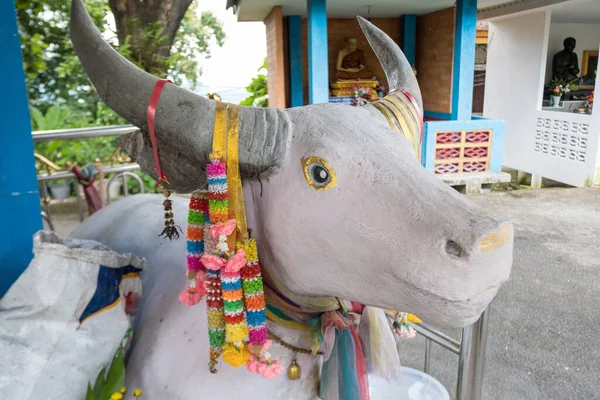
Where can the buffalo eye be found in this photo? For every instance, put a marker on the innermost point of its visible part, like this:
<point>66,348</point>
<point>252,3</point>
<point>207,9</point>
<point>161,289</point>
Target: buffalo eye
<point>318,174</point>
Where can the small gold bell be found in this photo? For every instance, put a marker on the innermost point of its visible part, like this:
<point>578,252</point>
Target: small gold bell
<point>294,372</point>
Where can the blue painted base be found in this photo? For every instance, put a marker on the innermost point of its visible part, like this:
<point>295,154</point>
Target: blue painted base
<point>19,198</point>
<point>21,221</point>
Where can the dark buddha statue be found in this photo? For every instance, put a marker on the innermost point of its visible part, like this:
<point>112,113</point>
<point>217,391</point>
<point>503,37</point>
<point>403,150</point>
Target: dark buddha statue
<point>351,63</point>
<point>565,65</point>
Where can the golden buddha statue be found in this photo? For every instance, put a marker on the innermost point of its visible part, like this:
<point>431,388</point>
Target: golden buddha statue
<point>351,63</point>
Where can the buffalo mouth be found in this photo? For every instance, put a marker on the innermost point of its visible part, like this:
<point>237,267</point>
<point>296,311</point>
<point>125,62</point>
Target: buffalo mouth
<point>444,312</point>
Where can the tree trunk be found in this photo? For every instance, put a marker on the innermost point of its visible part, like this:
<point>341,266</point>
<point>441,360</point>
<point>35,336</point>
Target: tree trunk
<point>137,20</point>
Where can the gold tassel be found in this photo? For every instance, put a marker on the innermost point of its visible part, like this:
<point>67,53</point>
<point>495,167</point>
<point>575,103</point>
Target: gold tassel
<point>171,231</point>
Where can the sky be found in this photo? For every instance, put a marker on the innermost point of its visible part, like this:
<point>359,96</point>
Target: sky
<point>231,68</point>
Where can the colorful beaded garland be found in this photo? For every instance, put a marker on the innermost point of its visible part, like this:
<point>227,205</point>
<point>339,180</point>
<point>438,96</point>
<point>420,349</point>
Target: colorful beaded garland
<point>232,281</point>
<point>196,273</point>
<point>254,295</point>
<point>235,350</point>
<point>217,210</point>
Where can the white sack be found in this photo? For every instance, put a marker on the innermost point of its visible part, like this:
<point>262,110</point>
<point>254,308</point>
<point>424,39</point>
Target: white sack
<point>62,321</point>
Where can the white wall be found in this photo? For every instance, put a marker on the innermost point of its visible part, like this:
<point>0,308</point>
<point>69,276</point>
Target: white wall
<point>514,61</point>
<point>535,139</point>
<point>587,36</point>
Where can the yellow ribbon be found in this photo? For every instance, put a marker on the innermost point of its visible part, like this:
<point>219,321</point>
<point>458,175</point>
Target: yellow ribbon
<point>226,149</point>
<point>401,118</point>
<point>286,323</point>
<point>219,147</point>
<point>234,179</point>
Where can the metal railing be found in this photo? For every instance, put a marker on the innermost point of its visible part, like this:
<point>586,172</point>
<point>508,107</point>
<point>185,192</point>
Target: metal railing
<point>470,351</point>
<point>121,171</point>
<point>82,133</point>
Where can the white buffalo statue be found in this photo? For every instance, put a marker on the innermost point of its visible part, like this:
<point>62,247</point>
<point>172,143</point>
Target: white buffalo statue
<point>389,235</point>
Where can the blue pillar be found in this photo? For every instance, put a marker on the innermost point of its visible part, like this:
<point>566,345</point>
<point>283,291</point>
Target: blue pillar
<point>19,197</point>
<point>409,37</point>
<point>295,46</point>
<point>464,59</point>
<point>318,64</point>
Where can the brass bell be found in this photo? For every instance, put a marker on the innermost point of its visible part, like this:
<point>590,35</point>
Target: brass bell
<point>294,372</point>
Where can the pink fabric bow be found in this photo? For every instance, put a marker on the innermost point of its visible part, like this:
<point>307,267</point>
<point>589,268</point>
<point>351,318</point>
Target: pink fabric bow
<point>335,320</point>
<point>191,296</point>
<point>252,365</point>
<point>234,264</point>
<point>270,371</point>
<point>225,229</point>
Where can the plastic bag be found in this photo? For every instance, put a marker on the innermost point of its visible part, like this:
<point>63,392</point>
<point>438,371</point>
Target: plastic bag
<point>63,320</point>
<point>379,344</point>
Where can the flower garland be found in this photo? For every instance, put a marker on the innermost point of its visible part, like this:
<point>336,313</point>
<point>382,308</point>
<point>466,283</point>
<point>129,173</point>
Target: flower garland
<point>196,273</point>
<point>222,261</point>
<point>254,295</point>
<point>218,211</point>
<point>235,351</point>
<point>260,361</point>
<point>232,282</point>
<point>402,327</point>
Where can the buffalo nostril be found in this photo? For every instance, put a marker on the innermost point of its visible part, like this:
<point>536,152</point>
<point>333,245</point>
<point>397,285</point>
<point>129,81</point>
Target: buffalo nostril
<point>453,249</point>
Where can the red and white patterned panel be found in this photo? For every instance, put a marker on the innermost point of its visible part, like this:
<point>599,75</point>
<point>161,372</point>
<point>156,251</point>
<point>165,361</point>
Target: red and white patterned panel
<point>447,137</point>
<point>450,168</point>
<point>475,166</point>
<point>476,152</point>
<point>447,153</point>
<point>480,152</point>
<point>478,137</point>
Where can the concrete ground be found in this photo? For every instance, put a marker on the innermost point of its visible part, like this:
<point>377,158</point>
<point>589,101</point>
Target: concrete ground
<point>543,338</point>
<point>64,224</point>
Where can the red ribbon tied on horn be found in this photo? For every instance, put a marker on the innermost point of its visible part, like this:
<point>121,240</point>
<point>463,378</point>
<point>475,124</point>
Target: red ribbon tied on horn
<point>151,114</point>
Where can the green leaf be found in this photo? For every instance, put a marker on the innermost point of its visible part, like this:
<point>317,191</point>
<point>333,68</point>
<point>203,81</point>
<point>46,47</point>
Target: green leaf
<point>258,90</point>
<point>38,121</point>
<point>90,393</point>
<point>53,117</point>
<point>116,376</point>
<point>100,383</point>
